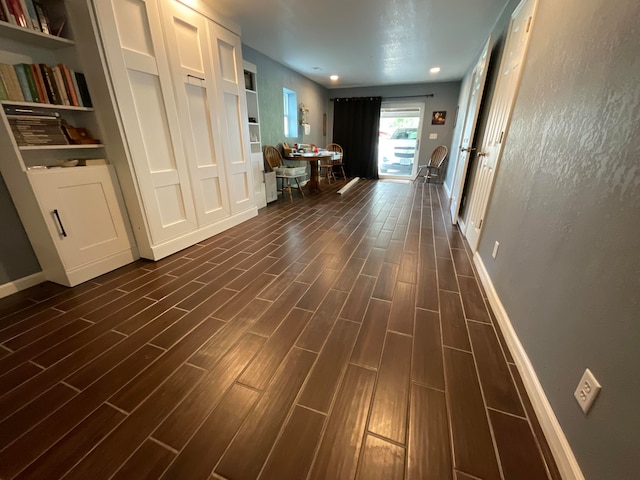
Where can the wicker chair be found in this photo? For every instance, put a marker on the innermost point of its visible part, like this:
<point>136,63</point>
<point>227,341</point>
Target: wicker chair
<point>274,159</point>
<point>432,169</point>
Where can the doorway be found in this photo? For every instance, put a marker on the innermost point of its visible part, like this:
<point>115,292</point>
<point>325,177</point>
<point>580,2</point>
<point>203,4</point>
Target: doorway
<point>399,139</point>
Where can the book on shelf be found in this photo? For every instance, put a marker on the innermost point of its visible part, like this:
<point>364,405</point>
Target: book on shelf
<point>33,16</point>
<point>43,18</point>
<point>16,10</point>
<point>10,79</point>
<point>24,83</point>
<point>37,130</point>
<point>3,91</point>
<point>83,90</point>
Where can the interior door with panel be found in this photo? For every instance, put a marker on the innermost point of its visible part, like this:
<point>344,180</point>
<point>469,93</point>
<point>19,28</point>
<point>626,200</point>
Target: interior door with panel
<point>190,60</point>
<point>472,108</point>
<point>227,61</point>
<point>132,37</point>
<point>499,117</point>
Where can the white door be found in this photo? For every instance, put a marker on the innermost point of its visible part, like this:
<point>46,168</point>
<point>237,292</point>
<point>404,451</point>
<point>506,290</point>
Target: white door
<point>132,37</point>
<point>471,109</point>
<point>226,50</point>
<point>193,78</point>
<point>499,117</point>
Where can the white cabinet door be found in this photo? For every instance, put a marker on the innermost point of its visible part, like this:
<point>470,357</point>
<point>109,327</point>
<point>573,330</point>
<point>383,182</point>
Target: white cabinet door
<point>232,114</point>
<point>133,41</point>
<point>82,213</point>
<point>193,77</point>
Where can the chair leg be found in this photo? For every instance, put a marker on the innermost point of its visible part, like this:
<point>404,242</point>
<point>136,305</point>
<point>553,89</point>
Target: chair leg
<point>344,175</point>
<point>289,190</point>
<point>299,188</point>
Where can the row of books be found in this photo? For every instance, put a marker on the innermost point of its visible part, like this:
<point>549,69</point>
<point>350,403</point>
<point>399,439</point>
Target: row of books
<point>31,130</point>
<point>40,83</point>
<point>29,14</point>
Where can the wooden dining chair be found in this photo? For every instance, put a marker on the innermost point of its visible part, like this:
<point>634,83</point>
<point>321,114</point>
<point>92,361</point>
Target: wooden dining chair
<point>274,159</point>
<point>336,162</point>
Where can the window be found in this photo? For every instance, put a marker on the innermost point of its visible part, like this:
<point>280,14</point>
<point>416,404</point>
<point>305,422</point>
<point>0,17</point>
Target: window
<point>290,102</point>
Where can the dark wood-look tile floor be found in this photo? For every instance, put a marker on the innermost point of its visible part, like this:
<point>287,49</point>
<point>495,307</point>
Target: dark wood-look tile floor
<point>335,337</point>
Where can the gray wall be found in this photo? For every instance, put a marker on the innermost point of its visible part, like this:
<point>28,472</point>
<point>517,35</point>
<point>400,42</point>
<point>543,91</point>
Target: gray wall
<point>272,77</point>
<point>17,259</point>
<point>445,98</point>
<point>566,211</point>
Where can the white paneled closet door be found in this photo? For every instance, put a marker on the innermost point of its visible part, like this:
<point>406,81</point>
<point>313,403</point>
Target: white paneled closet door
<point>132,36</point>
<point>227,61</point>
<point>190,59</point>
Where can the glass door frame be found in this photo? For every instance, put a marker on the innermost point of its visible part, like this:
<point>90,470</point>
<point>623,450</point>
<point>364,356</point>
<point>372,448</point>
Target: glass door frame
<point>409,105</point>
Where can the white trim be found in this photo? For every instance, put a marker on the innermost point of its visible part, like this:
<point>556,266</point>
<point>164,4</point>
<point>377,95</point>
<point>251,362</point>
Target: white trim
<point>21,284</point>
<point>567,463</point>
<point>446,190</point>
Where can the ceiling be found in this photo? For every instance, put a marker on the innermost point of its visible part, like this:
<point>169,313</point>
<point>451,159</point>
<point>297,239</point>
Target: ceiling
<point>367,42</point>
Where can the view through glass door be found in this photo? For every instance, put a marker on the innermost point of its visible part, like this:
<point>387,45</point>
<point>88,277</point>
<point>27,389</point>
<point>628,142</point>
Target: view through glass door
<point>399,139</point>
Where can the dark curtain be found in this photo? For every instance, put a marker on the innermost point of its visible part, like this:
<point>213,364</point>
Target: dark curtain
<point>356,123</point>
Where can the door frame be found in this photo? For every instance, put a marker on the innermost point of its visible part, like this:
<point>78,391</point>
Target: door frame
<point>422,106</point>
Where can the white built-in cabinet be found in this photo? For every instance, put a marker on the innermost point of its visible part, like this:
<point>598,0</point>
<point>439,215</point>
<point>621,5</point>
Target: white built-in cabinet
<point>178,84</point>
<point>253,112</point>
<point>75,218</point>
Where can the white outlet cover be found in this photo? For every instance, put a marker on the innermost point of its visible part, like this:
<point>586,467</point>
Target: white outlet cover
<point>433,136</point>
<point>587,390</point>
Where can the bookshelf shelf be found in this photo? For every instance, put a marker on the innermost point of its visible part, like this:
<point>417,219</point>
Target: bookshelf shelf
<point>46,105</point>
<point>32,37</point>
<point>60,147</point>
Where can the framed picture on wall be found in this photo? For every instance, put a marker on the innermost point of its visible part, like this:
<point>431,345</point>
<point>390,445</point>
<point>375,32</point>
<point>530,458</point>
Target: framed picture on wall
<point>438,118</point>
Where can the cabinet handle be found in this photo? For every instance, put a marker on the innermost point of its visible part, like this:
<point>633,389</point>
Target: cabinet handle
<point>55,212</point>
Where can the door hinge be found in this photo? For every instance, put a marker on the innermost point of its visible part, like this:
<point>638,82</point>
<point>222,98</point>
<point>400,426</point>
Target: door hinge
<point>528,24</point>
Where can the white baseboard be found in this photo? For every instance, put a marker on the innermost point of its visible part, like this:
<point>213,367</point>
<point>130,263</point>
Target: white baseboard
<point>21,284</point>
<point>447,192</point>
<point>566,461</point>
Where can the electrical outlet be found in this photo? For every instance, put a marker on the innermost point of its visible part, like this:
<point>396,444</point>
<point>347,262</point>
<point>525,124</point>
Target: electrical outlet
<point>587,390</point>
<point>494,254</point>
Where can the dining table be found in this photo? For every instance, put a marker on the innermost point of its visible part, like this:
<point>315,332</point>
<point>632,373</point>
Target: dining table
<point>313,158</point>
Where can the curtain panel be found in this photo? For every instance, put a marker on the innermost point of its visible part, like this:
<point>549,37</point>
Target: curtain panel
<point>356,123</point>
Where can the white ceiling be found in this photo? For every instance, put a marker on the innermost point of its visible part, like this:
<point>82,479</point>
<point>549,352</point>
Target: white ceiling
<point>366,42</point>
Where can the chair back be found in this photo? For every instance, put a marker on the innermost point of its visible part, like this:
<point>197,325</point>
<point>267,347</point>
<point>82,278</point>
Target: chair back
<point>334,147</point>
<point>438,156</point>
<point>272,156</point>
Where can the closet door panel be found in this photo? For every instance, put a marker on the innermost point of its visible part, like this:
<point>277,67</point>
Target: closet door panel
<point>192,69</point>
<point>227,61</point>
<point>133,41</point>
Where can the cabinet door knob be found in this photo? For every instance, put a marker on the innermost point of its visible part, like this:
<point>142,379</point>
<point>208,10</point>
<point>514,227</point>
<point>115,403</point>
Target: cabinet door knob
<point>55,212</point>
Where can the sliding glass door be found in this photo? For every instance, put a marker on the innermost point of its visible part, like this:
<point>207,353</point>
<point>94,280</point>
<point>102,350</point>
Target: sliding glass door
<point>399,139</point>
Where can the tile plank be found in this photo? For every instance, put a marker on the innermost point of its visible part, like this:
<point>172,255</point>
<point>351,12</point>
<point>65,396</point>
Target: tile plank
<point>454,327</point>
<point>249,450</point>
<point>301,434</point>
<point>389,409</point>
<point>498,387</point>
<point>325,376</point>
<point>358,299</point>
<point>403,306</point>
<point>147,463</point>
<point>386,282</point>
<point>429,448</point>
<point>427,366</point>
<point>318,328</point>
<point>520,459</point>
<point>279,309</point>
<point>368,347</point>
<point>339,449</point>
<point>472,443</point>
<point>474,307</point>
<point>446,275</point>
<point>381,460</point>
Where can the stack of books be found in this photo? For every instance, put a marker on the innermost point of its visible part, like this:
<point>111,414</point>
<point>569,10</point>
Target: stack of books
<point>40,83</point>
<point>29,14</point>
<point>36,128</point>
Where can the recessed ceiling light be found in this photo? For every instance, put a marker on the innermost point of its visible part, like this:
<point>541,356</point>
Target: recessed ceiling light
<point>435,70</point>
<point>334,77</point>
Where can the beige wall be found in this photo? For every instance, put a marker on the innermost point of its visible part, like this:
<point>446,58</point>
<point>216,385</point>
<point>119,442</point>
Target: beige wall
<point>566,211</point>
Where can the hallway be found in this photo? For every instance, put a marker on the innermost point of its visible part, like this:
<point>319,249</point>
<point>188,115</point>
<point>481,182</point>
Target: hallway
<point>335,337</point>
